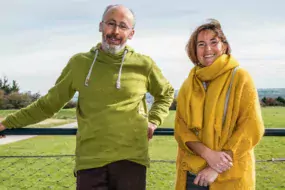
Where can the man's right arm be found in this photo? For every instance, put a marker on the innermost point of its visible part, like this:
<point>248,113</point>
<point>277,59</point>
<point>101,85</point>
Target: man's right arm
<point>46,106</point>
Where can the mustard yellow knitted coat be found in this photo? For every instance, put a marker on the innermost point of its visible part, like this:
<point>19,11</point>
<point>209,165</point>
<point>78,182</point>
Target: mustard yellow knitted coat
<point>199,117</point>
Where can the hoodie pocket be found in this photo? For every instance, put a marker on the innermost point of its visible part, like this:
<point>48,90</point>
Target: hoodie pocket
<point>142,110</point>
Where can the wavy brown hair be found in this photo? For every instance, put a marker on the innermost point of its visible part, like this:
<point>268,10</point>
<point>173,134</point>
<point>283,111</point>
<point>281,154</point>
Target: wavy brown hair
<point>213,25</point>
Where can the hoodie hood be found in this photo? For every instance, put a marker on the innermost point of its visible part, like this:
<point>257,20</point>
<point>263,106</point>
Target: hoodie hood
<point>101,55</point>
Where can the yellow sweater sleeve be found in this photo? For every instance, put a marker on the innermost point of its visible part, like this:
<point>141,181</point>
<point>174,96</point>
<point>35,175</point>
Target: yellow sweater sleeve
<point>249,126</point>
<point>181,132</point>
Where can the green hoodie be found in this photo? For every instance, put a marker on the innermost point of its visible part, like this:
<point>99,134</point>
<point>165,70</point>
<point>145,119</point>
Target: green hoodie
<point>112,122</point>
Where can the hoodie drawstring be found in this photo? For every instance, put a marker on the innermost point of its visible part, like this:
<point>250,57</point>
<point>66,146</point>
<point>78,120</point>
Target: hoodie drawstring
<point>118,82</point>
<point>90,70</point>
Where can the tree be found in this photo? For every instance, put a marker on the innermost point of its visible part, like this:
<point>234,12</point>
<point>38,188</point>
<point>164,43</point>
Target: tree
<point>281,100</point>
<point>264,100</point>
<point>271,102</point>
<point>11,98</point>
<point>15,87</point>
<point>2,93</point>
<point>6,87</point>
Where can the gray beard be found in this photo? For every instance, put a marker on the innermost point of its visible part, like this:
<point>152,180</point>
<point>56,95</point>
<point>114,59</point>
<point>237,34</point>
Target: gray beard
<point>114,49</point>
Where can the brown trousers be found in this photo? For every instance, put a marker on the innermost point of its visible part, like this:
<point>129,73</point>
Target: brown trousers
<point>120,175</point>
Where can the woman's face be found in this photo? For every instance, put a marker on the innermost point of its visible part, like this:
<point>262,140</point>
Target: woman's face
<point>209,47</point>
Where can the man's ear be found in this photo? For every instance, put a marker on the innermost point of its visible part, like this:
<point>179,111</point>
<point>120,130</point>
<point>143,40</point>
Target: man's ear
<point>100,27</point>
<point>131,34</point>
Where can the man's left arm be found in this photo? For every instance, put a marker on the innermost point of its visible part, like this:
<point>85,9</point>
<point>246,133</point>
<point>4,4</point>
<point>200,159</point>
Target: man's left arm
<point>163,94</point>
<point>45,106</point>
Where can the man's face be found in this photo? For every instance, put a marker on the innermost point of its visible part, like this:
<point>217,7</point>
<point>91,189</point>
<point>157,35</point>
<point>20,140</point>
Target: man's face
<point>116,28</point>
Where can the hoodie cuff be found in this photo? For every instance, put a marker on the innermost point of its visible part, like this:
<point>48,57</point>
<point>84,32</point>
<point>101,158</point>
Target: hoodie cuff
<point>153,120</point>
<point>7,124</point>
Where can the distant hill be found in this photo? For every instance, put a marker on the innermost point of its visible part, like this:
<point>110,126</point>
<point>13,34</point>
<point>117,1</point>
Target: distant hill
<point>271,92</point>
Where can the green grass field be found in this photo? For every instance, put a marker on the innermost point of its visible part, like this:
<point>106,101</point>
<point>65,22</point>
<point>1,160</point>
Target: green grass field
<point>56,173</point>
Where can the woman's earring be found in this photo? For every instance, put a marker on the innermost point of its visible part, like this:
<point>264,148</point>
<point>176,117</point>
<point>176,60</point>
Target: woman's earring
<point>199,64</point>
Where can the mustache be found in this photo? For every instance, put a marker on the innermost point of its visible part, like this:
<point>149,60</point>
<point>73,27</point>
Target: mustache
<point>113,36</point>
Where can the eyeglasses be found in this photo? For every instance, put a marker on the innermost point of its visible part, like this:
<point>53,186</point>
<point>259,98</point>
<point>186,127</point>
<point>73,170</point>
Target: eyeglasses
<point>213,43</point>
<point>114,25</point>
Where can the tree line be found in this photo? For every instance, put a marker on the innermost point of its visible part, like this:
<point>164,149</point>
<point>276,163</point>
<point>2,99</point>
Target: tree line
<point>12,98</point>
<point>268,101</point>
<point>264,102</point>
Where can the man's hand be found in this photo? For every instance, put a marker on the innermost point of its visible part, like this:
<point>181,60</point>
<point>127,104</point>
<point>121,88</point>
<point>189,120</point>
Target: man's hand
<point>2,128</point>
<point>206,177</point>
<point>151,129</point>
<point>218,160</point>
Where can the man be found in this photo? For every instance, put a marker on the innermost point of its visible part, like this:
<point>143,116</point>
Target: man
<point>113,124</point>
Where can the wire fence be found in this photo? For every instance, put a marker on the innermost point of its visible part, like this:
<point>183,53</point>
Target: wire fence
<point>37,172</point>
<point>56,172</point>
<point>30,170</point>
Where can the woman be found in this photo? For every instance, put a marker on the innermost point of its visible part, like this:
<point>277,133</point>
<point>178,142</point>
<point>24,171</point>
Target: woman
<point>218,119</point>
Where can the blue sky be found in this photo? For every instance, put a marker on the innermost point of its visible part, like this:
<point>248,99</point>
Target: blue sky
<point>38,37</point>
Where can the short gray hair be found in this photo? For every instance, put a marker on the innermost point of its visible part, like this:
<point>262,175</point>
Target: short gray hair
<point>116,5</point>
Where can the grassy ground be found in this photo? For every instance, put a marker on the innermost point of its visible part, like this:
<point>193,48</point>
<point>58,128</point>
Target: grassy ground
<point>56,173</point>
<point>274,117</point>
